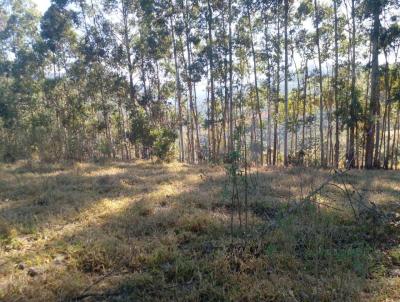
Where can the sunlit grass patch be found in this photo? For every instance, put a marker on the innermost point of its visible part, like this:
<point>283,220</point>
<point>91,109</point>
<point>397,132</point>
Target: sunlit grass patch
<point>144,231</point>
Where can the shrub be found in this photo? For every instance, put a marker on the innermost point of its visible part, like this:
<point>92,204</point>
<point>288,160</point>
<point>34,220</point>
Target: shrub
<point>159,140</point>
<point>164,143</point>
<point>5,230</point>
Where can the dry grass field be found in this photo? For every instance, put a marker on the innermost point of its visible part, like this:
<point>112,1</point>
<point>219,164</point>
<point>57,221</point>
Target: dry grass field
<point>162,232</point>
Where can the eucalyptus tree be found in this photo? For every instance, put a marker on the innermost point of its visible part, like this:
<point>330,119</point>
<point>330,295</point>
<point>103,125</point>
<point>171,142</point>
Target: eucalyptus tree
<point>267,57</point>
<point>125,11</point>
<point>286,24</point>
<point>193,72</point>
<point>249,11</point>
<point>373,10</point>
<point>174,10</point>
<point>230,50</point>
<point>103,71</point>
<point>304,47</point>
<point>354,104</point>
<point>62,46</point>
<point>152,49</point>
<point>277,10</point>
<point>210,53</point>
<point>22,113</point>
<point>317,20</point>
<point>336,4</point>
<point>389,42</point>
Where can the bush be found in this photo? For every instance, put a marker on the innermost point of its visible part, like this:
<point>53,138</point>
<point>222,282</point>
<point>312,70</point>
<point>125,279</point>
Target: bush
<point>164,143</point>
<point>159,140</point>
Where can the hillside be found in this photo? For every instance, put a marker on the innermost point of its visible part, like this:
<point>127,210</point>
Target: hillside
<point>162,232</point>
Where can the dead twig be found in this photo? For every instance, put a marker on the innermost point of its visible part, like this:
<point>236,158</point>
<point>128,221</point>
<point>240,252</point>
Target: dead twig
<point>84,294</point>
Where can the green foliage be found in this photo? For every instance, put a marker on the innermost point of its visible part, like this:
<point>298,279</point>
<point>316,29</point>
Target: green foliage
<point>76,82</point>
<point>105,148</point>
<point>164,142</point>
<point>159,139</point>
<point>305,8</point>
<point>140,129</point>
<point>55,26</point>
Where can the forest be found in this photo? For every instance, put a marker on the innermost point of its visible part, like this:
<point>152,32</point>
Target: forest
<point>200,150</point>
<point>303,81</point>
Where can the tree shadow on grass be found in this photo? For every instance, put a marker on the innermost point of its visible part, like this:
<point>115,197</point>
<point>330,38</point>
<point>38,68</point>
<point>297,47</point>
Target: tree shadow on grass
<point>176,245</point>
<point>35,200</point>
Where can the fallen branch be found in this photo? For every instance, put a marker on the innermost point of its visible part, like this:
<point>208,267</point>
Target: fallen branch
<point>318,190</point>
<point>96,295</point>
<point>84,294</point>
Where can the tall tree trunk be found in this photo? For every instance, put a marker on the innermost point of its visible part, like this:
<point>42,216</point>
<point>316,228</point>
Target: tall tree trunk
<point>335,83</point>
<point>226,91</point>
<point>388,111</point>
<point>212,92</point>
<point>296,107</point>
<point>396,129</point>
<point>231,143</point>
<point>269,124</point>
<point>190,87</point>
<point>377,153</point>
<point>321,104</point>
<point>269,93</point>
<point>128,51</point>
<point>209,151</point>
<point>285,142</point>
<point>276,113</point>
<point>304,105</point>
<point>178,96</point>
<point>260,121</point>
<point>366,106</point>
<point>196,122</point>
<point>353,104</point>
<point>374,102</point>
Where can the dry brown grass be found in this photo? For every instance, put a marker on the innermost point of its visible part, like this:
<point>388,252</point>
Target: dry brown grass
<point>148,232</point>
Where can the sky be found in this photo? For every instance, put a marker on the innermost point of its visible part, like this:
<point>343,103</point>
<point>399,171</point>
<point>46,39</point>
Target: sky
<point>42,4</point>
